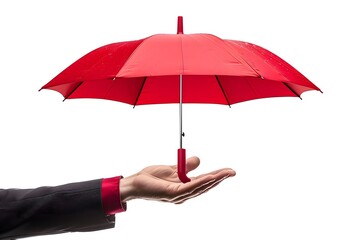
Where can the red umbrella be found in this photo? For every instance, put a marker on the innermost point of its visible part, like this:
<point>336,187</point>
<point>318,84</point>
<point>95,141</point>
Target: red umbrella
<point>180,68</point>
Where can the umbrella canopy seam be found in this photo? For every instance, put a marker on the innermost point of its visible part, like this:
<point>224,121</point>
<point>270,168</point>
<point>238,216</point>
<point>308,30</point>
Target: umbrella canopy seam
<point>73,90</point>
<point>132,54</point>
<point>223,91</point>
<point>140,91</point>
<point>232,55</point>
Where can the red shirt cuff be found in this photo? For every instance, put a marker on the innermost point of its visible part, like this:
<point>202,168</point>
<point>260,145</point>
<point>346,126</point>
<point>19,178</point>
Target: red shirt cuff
<point>110,195</point>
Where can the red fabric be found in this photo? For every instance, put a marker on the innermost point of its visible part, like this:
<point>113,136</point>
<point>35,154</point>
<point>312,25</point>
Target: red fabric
<point>110,194</point>
<point>147,71</point>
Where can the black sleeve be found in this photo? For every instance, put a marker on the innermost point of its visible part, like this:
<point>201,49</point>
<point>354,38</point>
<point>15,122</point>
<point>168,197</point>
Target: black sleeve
<point>74,207</point>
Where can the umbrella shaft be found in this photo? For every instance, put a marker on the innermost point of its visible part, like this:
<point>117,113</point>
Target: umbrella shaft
<point>180,111</point>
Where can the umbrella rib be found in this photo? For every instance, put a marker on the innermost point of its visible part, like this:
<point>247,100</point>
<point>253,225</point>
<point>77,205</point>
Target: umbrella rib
<point>223,91</point>
<point>141,88</point>
<point>72,91</point>
<point>292,90</point>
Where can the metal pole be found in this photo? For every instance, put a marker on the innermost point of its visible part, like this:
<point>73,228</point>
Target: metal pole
<point>180,111</point>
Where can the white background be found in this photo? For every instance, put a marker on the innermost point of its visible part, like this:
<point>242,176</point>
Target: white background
<point>297,161</point>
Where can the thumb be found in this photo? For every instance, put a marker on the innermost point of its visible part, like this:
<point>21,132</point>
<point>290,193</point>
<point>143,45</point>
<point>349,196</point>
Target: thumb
<point>192,163</point>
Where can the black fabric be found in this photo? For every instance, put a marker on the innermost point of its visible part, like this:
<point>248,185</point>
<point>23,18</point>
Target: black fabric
<point>74,207</point>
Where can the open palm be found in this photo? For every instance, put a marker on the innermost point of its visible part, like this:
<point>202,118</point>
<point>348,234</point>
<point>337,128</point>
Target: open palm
<point>161,183</point>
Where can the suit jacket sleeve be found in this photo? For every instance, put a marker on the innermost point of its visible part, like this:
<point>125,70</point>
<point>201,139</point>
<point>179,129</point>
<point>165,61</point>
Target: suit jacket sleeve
<point>73,207</point>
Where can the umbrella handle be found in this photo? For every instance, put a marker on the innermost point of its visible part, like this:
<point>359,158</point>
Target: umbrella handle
<point>182,165</point>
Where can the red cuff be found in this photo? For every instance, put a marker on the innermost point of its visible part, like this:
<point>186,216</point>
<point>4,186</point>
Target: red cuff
<point>110,195</point>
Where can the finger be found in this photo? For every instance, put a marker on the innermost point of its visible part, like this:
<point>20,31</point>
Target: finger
<point>196,192</point>
<point>199,191</point>
<point>192,163</point>
<point>229,171</point>
<point>218,176</point>
<point>199,182</point>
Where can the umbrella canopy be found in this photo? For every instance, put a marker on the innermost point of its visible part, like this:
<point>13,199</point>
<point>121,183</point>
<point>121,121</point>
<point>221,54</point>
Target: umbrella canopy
<point>180,68</point>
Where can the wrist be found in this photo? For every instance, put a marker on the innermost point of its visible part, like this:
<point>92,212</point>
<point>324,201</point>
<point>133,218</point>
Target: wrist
<point>126,189</point>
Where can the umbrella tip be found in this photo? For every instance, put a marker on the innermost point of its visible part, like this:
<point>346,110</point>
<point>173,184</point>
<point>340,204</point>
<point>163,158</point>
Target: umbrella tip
<point>180,28</point>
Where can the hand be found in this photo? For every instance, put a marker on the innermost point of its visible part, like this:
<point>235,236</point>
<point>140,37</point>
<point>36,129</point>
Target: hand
<point>161,183</point>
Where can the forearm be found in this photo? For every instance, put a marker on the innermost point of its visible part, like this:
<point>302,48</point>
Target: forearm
<point>52,210</point>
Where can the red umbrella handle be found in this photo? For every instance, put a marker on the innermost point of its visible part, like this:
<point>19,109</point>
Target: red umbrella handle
<point>182,165</point>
